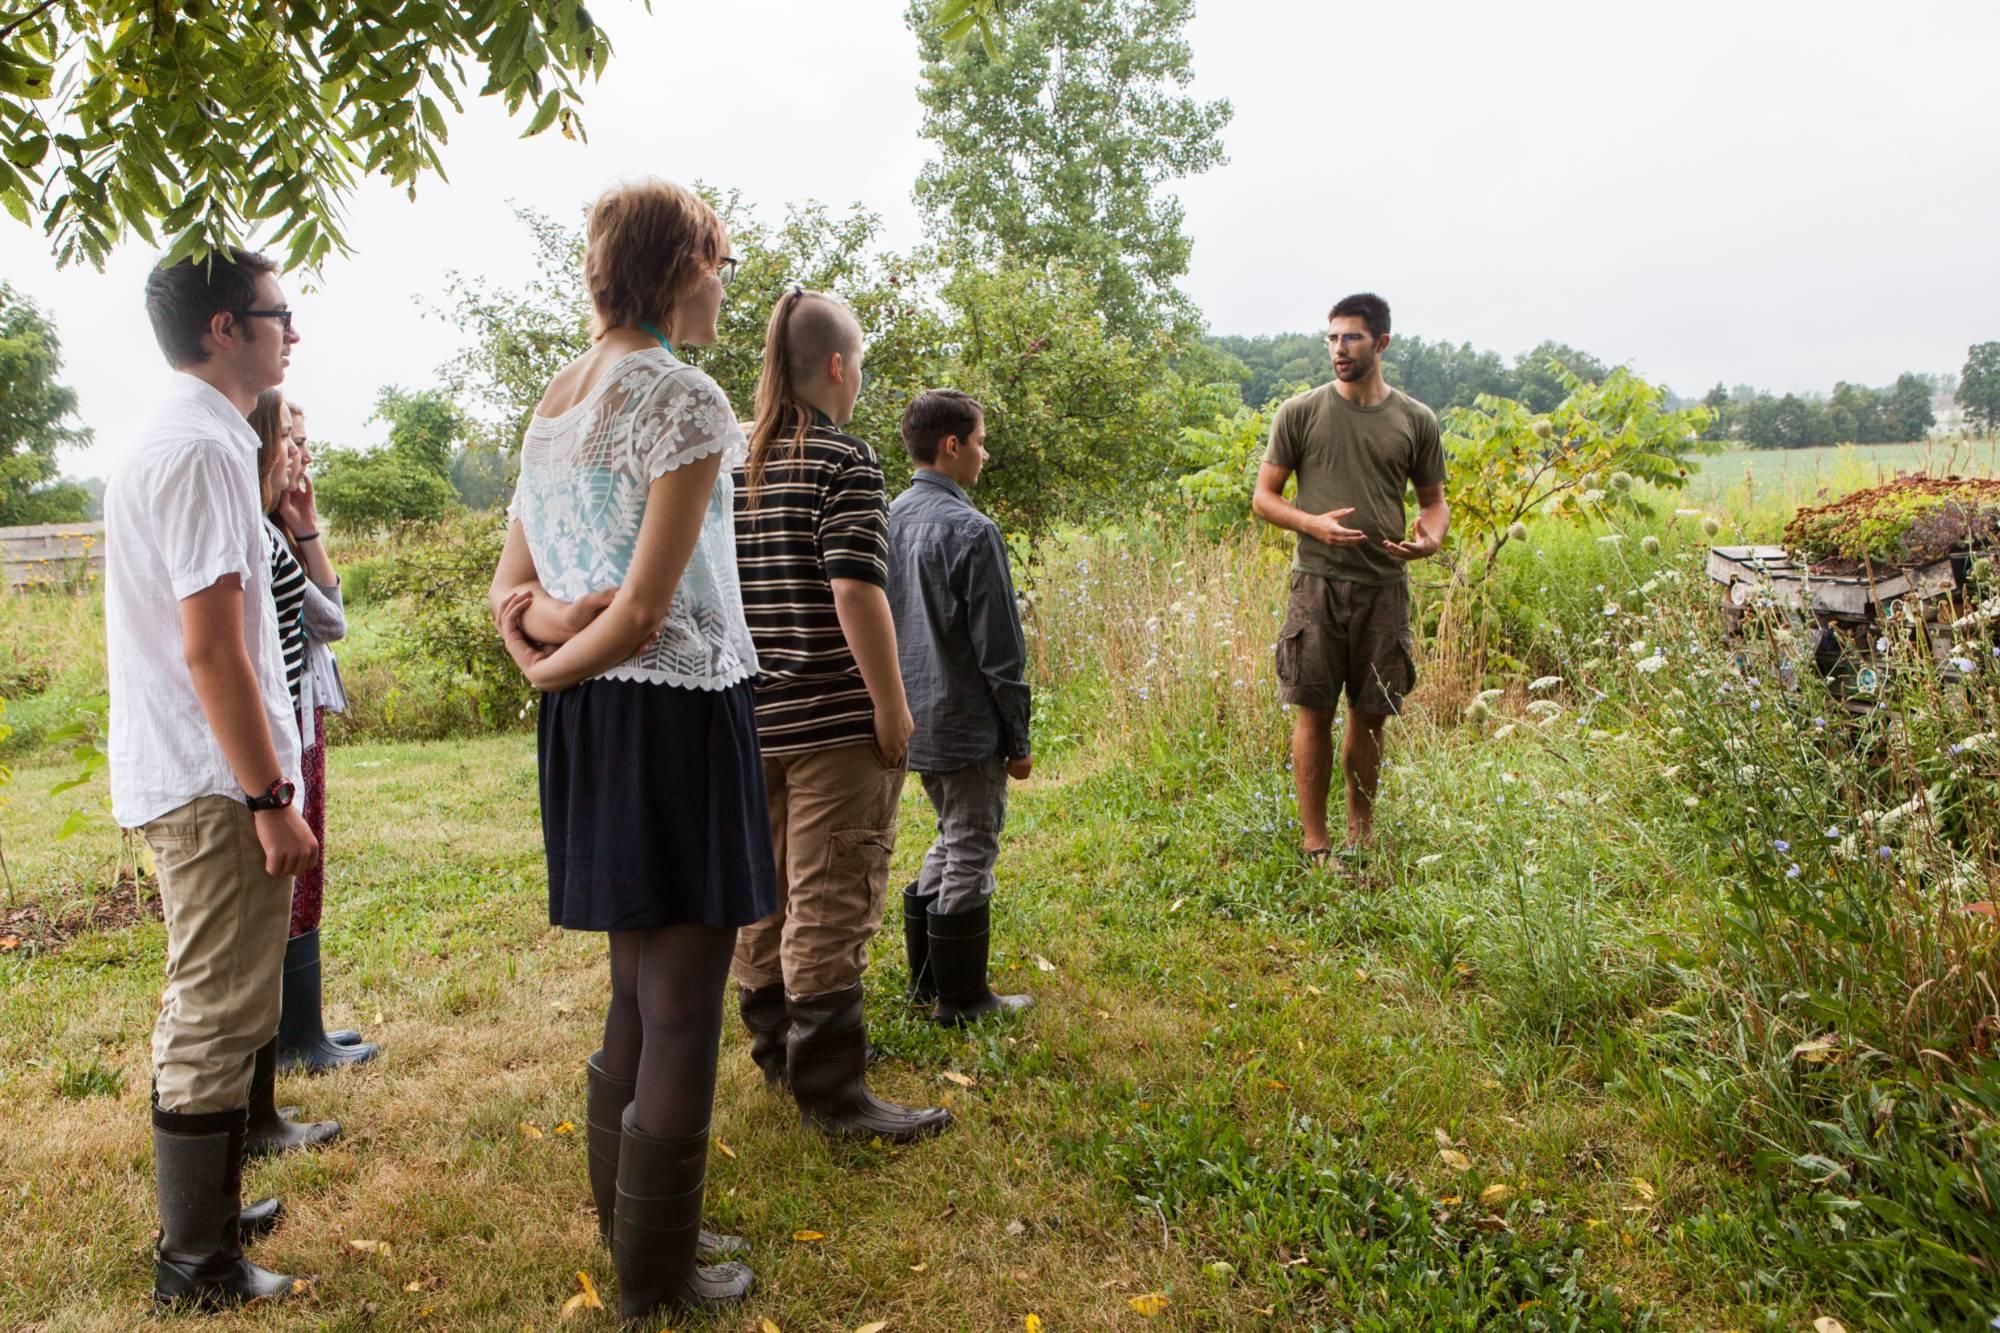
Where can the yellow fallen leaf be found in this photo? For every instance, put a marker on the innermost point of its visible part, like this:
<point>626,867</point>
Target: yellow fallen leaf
<point>1826,1325</point>
<point>1644,1189</point>
<point>1033,1323</point>
<point>1454,1159</point>
<point>1495,1195</point>
<point>766,1326</point>
<point>918,1268</point>
<point>1278,1085</point>
<point>1266,1310</point>
<point>1314,990</point>
<point>371,1246</point>
<point>808,1237</point>
<point>1152,1305</point>
<point>1450,1199</point>
<point>725,1150</point>
<point>1817,1051</point>
<point>1044,964</point>
<point>529,1131</point>
<point>567,1127</point>
<point>875,1327</point>
<point>590,1296</point>
<point>1444,1140</point>
<point>953,1076</point>
<point>9,943</point>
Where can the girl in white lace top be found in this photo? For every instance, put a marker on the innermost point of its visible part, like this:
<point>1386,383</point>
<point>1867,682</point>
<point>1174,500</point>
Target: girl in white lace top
<point>617,596</point>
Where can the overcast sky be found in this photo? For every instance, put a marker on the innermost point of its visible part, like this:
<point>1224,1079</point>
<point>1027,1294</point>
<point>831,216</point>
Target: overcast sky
<point>1757,191</point>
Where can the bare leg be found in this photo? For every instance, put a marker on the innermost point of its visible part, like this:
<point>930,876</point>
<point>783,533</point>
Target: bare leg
<point>1312,771</point>
<point>1361,759</point>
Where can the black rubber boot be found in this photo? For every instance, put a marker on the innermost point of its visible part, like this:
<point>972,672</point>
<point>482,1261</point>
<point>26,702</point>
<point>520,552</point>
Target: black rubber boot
<point>303,1043</point>
<point>917,944</point>
<point>958,961</point>
<point>603,1120</point>
<point>826,1059</point>
<point>271,1132</point>
<point>765,1015</point>
<point>198,1260</point>
<point>657,1230</point>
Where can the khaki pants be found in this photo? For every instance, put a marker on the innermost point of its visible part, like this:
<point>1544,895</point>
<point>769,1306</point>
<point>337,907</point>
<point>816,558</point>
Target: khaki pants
<point>226,922</point>
<point>833,825</point>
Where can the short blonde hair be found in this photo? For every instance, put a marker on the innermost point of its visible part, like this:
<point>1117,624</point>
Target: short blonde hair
<point>646,243</point>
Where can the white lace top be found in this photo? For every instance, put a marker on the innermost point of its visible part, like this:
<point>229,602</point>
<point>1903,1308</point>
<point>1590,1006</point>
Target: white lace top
<point>582,493</point>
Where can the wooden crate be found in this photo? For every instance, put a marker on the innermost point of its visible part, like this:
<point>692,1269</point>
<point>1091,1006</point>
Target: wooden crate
<point>52,554</point>
<point>1751,572</point>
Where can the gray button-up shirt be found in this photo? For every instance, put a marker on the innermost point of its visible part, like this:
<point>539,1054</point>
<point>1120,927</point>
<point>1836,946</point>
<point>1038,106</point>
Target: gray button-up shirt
<point>958,632</point>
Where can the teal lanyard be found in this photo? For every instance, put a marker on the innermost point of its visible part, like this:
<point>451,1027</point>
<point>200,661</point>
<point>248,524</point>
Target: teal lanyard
<point>648,328</point>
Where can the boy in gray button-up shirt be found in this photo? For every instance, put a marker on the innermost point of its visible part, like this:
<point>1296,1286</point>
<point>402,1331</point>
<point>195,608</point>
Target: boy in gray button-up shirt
<point>964,664</point>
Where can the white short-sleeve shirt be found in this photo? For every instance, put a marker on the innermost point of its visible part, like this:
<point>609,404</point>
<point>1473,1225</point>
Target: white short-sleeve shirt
<point>181,512</point>
<point>581,497</point>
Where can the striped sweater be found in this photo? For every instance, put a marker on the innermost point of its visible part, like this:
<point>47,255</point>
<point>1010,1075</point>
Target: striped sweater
<point>821,514</point>
<point>288,590</point>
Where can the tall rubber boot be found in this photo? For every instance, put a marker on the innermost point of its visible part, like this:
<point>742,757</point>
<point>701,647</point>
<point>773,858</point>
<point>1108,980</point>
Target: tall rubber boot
<point>270,1131</point>
<point>198,1260</point>
<point>917,945</point>
<point>765,1015</point>
<point>603,1120</point>
<point>303,1043</point>
<point>657,1228</point>
<point>826,1059</point>
<point>958,961</point>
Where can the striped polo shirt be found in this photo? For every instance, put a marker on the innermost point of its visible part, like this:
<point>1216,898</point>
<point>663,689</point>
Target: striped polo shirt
<point>821,514</point>
<point>288,590</point>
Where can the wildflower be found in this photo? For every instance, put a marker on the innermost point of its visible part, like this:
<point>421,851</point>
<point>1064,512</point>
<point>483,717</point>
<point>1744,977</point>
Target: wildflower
<point>1964,665</point>
<point>1819,724</point>
<point>1651,664</point>
<point>1675,733</point>
<point>1611,608</point>
<point>1488,696</point>
<point>1541,683</point>
<point>1545,708</point>
<point>1621,481</point>
<point>1747,773</point>
<point>1690,802</point>
<point>1476,711</point>
<point>1792,872</point>
<point>1832,831</point>
<point>1517,531</point>
<point>1756,704</point>
<point>1593,496</point>
<point>1781,845</point>
<point>1429,860</point>
<point>1502,733</point>
<point>1650,544</point>
<point>1885,852</point>
<point>1710,527</point>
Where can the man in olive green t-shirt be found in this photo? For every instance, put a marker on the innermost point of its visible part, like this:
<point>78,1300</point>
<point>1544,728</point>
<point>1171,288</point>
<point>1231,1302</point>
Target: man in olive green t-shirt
<point>1355,445</point>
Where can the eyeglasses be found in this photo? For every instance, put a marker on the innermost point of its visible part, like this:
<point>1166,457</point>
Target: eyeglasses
<point>725,271</point>
<point>283,316</point>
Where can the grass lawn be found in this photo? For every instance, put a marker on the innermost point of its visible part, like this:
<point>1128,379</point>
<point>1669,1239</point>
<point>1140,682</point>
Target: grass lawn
<point>1228,1064</point>
<point>1739,479</point>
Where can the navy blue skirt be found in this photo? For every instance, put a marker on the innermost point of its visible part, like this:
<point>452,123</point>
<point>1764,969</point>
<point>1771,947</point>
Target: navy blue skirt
<point>653,808</point>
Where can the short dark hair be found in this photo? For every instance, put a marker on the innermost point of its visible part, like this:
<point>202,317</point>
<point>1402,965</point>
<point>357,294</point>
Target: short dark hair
<point>1367,307</point>
<point>183,298</point>
<point>934,414</point>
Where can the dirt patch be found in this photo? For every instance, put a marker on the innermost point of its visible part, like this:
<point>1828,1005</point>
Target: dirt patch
<point>1912,520</point>
<point>51,923</point>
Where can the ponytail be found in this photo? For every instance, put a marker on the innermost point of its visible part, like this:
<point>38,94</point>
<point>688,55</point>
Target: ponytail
<point>806,328</point>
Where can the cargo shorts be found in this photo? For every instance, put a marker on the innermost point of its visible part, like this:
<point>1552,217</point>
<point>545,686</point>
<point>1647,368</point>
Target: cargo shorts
<point>1340,636</point>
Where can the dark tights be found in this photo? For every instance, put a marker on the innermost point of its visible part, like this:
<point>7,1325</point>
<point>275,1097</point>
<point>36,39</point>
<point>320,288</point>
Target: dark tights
<point>665,1022</point>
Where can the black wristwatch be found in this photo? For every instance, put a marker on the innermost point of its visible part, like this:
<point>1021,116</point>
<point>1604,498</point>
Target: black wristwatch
<point>277,798</point>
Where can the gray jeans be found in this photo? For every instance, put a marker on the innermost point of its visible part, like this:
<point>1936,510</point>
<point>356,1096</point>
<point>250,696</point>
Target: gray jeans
<point>971,805</point>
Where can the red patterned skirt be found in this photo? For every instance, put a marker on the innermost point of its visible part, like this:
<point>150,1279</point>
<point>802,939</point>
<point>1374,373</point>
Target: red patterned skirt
<point>309,887</point>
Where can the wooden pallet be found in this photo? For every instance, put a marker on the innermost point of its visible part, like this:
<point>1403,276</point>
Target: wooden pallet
<point>51,554</point>
<point>1751,572</point>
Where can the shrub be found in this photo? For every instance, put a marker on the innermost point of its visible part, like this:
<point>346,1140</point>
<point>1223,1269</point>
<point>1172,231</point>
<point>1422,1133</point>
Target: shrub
<point>367,492</point>
<point>443,635</point>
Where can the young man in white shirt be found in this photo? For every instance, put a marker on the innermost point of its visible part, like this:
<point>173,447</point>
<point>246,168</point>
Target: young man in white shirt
<point>204,751</point>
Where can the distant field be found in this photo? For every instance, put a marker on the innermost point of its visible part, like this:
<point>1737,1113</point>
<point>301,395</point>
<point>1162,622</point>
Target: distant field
<point>1741,478</point>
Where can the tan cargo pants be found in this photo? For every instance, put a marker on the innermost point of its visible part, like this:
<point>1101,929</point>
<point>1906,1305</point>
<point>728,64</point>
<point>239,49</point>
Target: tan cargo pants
<point>833,826</point>
<point>226,923</point>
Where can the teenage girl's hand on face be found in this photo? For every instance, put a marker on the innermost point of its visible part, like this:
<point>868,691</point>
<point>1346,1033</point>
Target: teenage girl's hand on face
<point>1328,528</point>
<point>298,508</point>
<point>892,735</point>
<point>1020,769</point>
<point>527,654</point>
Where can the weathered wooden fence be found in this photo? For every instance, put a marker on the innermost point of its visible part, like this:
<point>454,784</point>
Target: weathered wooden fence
<point>53,555</point>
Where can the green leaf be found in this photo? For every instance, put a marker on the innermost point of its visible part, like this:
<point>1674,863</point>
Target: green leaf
<point>545,116</point>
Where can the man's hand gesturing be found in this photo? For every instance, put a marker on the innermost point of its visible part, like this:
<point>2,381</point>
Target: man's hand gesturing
<point>1420,547</point>
<point>1328,528</point>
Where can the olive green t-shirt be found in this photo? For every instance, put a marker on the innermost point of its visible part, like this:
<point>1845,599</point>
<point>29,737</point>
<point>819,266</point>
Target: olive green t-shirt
<point>1361,456</point>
